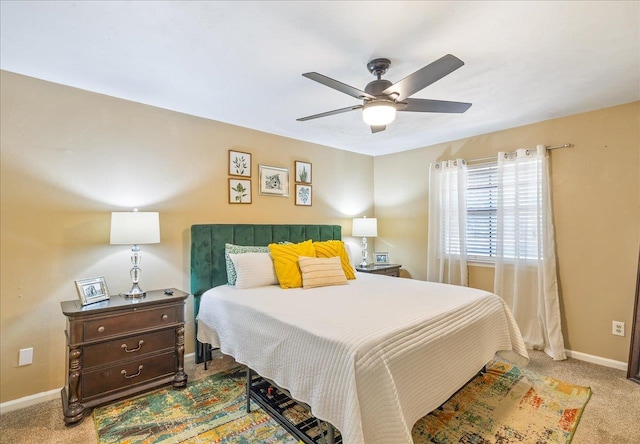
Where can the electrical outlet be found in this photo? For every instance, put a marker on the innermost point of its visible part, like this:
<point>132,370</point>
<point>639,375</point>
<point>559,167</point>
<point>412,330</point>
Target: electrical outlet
<point>26,356</point>
<point>618,328</point>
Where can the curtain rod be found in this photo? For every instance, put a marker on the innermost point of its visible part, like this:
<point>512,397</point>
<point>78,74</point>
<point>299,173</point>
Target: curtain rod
<point>566,145</point>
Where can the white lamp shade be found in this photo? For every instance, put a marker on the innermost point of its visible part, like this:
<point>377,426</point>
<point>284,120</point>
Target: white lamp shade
<point>378,113</point>
<point>365,227</point>
<point>134,228</point>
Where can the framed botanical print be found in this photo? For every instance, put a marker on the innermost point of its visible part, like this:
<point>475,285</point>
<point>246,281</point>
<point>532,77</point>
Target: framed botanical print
<point>274,181</point>
<point>303,172</point>
<point>239,163</point>
<point>303,195</point>
<point>239,191</point>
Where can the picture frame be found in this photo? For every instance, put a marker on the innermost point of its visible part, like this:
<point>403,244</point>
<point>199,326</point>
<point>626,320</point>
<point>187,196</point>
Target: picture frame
<point>239,163</point>
<point>92,290</point>
<point>274,181</point>
<point>240,191</point>
<point>381,258</point>
<point>303,171</point>
<point>303,195</point>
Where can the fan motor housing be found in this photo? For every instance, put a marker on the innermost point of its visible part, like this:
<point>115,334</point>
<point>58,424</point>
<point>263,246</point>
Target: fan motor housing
<point>376,87</point>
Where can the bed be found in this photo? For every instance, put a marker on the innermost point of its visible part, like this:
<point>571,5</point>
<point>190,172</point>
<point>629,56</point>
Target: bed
<point>370,357</point>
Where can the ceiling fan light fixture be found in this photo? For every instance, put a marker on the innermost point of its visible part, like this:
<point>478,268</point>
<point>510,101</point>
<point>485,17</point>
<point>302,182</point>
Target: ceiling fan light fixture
<point>381,98</point>
<point>378,113</point>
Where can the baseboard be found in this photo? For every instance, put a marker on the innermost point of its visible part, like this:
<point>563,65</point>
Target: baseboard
<point>597,360</point>
<point>190,359</point>
<point>30,400</point>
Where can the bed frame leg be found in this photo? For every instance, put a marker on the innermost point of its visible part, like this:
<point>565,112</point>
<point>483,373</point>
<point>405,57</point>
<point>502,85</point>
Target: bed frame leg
<point>331,437</point>
<point>248,390</point>
<point>204,350</point>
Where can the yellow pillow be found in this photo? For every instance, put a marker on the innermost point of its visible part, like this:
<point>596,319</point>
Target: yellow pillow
<point>285,261</point>
<point>321,271</point>
<point>333,248</point>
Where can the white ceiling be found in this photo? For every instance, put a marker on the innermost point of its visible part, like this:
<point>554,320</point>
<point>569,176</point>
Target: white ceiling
<point>241,62</point>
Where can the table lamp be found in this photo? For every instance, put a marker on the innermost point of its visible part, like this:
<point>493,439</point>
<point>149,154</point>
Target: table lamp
<point>363,227</point>
<point>135,228</point>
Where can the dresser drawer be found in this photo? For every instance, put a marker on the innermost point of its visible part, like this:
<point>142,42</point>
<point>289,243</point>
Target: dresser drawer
<point>128,348</point>
<point>123,375</point>
<point>131,321</point>
<point>389,272</point>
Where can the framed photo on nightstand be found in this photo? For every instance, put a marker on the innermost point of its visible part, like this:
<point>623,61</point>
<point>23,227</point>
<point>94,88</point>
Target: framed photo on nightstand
<point>92,290</point>
<point>381,257</point>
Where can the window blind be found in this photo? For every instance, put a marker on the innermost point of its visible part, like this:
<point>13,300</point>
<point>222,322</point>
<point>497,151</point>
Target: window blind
<point>521,194</point>
<point>482,194</point>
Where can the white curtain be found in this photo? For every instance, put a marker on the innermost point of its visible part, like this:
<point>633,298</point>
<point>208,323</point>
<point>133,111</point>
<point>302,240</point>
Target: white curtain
<point>447,238</point>
<point>525,271</point>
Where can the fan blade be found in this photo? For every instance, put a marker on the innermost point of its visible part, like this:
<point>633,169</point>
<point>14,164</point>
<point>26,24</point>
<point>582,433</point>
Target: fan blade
<point>434,106</point>
<point>378,128</point>
<point>330,113</point>
<point>424,77</point>
<point>342,87</point>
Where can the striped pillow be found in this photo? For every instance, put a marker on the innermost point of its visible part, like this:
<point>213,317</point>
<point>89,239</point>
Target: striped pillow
<point>321,271</point>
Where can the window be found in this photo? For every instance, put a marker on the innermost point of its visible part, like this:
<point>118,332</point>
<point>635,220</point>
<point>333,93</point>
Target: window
<point>482,220</point>
<point>521,196</point>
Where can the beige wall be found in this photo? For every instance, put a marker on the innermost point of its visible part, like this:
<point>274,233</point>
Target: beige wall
<point>596,203</point>
<point>70,157</point>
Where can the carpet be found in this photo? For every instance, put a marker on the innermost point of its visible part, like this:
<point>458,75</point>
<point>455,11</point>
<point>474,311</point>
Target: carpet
<point>504,405</point>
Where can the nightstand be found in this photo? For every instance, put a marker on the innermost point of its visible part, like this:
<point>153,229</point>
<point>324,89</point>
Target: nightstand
<point>386,269</point>
<point>120,347</point>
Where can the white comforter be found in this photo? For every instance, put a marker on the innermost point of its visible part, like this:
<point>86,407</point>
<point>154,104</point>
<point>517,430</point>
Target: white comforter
<point>370,357</point>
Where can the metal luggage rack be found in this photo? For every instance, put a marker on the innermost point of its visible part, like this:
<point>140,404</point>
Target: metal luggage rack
<point>294,416</point>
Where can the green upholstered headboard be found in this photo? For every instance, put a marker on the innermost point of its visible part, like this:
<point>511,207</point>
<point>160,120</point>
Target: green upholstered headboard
<point>208,267</point>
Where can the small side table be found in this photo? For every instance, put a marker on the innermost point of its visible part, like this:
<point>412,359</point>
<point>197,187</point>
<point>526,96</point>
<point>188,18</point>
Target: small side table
<point>121,347</point>
<point>385,269</point>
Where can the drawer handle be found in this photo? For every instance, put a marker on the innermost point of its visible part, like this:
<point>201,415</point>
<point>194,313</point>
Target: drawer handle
<point>100,329</point>
<point>165,317</point>
<point>124,372</point>
<point>124,346</point>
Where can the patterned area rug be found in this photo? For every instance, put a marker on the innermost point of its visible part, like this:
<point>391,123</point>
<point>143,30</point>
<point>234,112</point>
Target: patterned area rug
<point>209,410</point>
<point>505,405</point>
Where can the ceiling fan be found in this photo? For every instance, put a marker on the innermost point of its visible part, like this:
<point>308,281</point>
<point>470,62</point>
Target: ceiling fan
<point>381,98</point>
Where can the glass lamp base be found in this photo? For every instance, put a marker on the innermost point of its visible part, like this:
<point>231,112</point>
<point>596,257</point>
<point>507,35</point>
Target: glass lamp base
<point>364,263</point>
<point>134,295</point>
<point>135,292</point>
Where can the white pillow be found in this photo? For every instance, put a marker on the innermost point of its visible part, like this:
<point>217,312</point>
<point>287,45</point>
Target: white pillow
<point>237,249</point>
<point>253,270</point>
<point>355,252</point>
